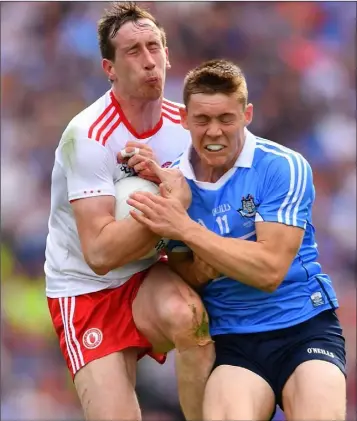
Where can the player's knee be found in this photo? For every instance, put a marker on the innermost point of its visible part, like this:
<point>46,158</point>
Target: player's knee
<point>186,322</point>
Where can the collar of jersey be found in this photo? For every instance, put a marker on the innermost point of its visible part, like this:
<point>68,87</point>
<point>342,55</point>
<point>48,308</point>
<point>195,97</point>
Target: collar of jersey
<point>127,124</point>
<point>245,160</point>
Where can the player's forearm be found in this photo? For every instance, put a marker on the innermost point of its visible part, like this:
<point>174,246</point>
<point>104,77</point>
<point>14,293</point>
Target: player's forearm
<point>119,243</point>
<point>246,261</point>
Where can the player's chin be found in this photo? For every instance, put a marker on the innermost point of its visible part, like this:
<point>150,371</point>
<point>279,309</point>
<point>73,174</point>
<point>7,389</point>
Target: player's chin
<point>215,159</point>
<point>152,92</point>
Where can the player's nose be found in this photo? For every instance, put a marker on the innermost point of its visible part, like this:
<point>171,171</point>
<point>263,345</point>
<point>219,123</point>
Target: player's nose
<point>214,130</point>
<point>149,62</point>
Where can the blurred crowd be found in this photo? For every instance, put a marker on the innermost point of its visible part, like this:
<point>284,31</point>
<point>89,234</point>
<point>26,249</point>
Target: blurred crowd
<point>299,60</point>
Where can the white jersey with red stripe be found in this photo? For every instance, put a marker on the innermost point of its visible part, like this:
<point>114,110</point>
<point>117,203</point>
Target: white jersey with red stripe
<point>86,166</point>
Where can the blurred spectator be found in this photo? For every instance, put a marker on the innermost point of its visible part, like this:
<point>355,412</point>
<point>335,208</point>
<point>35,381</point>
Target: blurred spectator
<point>299,59</point>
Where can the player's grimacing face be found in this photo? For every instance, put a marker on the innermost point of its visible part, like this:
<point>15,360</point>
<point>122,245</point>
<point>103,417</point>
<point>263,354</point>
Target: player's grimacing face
<point>216,123</point>
<point>141,60</point>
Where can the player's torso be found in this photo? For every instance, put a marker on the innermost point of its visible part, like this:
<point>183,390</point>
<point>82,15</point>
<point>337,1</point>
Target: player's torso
<point>230,211</point>
<point>66,270</point>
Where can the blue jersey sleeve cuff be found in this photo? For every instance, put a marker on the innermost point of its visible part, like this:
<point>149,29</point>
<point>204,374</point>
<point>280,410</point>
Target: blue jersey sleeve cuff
<point>266,217</point>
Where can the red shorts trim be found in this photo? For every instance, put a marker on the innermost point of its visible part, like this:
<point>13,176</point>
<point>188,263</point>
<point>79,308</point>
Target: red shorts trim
<point>91,326</point>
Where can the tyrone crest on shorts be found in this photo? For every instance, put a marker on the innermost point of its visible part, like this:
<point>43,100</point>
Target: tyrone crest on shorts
<point>92,338</point>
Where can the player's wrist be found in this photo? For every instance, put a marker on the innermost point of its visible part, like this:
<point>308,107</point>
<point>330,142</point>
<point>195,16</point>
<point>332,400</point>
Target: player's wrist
<point>190,231</point>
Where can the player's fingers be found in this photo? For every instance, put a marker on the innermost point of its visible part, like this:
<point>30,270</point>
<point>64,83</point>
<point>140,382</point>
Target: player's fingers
<point>148,199</point>
<point>126,153</point>
<point>146,209</point>
<point>139,158</point>
<point>152,200</point>
<point>134,144</point>
<point>139,217</point>
<point>134,160</point>
<point>162,173</point>
<point>165,190</point>
<point>147,175</point>
<point>143,196</point>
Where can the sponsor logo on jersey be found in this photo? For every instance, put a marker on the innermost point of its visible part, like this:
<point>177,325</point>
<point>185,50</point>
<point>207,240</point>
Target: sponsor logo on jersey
<point>249,208</point>
<point>92,338</point>
<point>320,351</point>
<point>221,209</point>
<point>161,244</point>
<point>127,170</point>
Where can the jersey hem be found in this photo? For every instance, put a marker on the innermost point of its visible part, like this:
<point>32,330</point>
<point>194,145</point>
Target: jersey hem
<point>258,329</point>
<point>79,291</point>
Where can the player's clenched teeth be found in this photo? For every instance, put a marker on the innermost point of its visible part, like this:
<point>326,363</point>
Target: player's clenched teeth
<point>214,147</point>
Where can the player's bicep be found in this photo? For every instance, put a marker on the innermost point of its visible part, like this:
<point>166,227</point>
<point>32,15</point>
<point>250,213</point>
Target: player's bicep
<point>281,241</point>
<point>92,215</point>
<point>287,192</point>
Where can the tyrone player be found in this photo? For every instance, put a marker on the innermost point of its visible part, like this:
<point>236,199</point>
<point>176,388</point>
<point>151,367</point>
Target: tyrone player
<point>109,308</point>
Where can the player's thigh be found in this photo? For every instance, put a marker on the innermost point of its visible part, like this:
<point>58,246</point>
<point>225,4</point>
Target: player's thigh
<point>313,383</point>
<point>236,393</point>
<point>106,387</point>
<point>166,307</point>
<point>316,390</point>
<point>100,343</point>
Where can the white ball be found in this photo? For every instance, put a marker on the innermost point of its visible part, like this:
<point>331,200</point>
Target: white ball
<point>123,189</point>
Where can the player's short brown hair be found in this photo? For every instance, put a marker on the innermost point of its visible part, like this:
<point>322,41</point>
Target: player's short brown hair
<point>114,18</point>
<point>216,76</point>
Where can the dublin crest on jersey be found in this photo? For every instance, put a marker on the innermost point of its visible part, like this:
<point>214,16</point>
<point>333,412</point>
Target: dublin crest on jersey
<point>249,208</point>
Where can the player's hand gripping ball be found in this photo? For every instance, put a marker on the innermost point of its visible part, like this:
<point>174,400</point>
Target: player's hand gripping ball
<point>123,189</point>
<point>135,155</point>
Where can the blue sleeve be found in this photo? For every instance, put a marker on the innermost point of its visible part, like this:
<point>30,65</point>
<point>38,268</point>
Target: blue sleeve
<point>287,192</point>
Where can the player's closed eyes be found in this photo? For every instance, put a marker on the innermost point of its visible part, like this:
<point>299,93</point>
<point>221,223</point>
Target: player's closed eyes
<point>133,51</point>
<point>201,120</point>
<point>227,118</point>
<point>153,46</point>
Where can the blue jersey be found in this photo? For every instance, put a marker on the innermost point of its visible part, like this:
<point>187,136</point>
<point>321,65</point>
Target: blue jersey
<point>272,183</point>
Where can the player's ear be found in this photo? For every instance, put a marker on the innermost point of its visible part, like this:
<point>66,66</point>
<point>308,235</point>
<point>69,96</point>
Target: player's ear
<point>183,115</point>
<point>168,65</point>
<point>248,114</point>
<point>108,68</point>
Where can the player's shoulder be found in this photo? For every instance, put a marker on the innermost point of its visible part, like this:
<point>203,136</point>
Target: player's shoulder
<point>273,155</point>
<point>170,112</point>
<point>95,120</point>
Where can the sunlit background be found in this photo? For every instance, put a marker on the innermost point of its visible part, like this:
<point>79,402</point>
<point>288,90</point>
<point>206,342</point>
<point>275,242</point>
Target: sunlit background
<point>299,60</point>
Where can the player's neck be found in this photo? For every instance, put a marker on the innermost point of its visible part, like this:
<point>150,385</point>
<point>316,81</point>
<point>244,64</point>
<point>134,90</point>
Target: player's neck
<point>142,115</point>
<point>208,174</point>
<point>204,172</point>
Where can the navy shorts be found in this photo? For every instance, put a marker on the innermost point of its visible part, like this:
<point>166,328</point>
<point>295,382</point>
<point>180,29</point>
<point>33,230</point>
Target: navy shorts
<point>274,355</point>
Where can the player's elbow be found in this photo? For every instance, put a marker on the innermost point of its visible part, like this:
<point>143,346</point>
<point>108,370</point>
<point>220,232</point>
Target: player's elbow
<point>98,263</point>
<point>270,285</point>
<point>100,270</point>
<point>272,281</point>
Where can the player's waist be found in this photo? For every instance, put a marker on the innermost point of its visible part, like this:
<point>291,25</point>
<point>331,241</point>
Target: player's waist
<point>229,324</point>
<point>59,288</point>
<point>69,282</point>
<point>229,298</point>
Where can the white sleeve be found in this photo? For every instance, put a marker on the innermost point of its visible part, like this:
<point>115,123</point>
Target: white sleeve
<point>89,168</point>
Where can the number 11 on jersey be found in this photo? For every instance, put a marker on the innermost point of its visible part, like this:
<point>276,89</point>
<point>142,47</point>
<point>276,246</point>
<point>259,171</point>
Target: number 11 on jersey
<point>222,222</point>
